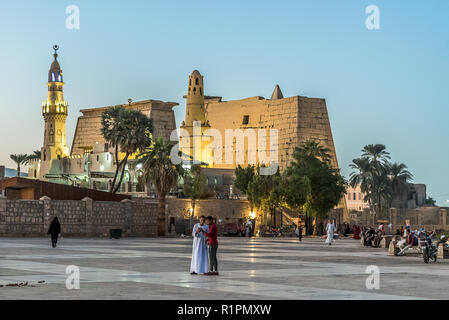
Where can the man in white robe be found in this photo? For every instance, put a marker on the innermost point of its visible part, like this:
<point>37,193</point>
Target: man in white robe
<point>330,228</point>
<point>200,261</point>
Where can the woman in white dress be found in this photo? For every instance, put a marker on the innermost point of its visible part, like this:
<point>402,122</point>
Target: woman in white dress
<point>330,228</point>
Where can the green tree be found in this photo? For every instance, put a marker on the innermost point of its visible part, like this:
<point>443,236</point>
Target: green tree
<point>372,173</point>
<point>310,183</point>
<point>36,155</point>
<point>159,170</point>
<point>399,179</point>
<point>19,159</point>
<point>194,186</point>
<point>127,130</point>
<point>243,177</point>
<point>430,201</point>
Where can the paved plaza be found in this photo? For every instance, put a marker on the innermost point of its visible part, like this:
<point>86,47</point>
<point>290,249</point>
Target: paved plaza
<point>258,268</point>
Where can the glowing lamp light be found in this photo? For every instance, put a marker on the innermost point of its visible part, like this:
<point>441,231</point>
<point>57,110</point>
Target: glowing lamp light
<point>252,215</point>
<point>191,210</point>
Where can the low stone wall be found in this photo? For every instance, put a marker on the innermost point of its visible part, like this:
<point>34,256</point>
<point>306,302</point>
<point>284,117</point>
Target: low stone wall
<point>429,217</point>
<point>85,218</point>
<point>227,210</point>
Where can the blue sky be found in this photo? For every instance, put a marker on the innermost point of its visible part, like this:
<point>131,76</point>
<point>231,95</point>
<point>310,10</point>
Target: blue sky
<point>382,86</point>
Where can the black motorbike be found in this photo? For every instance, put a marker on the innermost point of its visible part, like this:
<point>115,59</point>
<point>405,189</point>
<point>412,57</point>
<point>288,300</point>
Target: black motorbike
<point>429,250</point>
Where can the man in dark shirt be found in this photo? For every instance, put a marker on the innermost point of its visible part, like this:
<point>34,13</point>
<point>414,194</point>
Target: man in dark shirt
<point>212,242</point>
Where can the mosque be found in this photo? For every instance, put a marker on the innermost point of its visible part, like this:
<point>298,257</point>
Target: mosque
<point>241,132</point>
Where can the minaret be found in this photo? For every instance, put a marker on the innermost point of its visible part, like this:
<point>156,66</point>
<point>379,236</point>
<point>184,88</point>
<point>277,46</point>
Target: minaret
<point>54,111</point>
<point>195,122</point>
<point>195,99</point>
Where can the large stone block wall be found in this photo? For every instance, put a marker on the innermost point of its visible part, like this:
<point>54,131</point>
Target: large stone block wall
<point>88,127</point>
<point>20,218</point>
<point>297,119</point>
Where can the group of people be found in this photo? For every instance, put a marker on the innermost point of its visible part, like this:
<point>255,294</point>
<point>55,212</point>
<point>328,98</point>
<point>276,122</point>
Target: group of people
<point>205,245</point>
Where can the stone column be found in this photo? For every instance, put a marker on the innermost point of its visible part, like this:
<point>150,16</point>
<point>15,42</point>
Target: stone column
<point>394,217</point>
<point>443,216</point>
<point>89,228</point>
<point>419,218</point>
<point>46,214</point>
<point>128,212</point>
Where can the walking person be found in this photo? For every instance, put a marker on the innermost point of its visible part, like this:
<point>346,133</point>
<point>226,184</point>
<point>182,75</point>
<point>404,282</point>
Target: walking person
<point>199,262</point>
<point>54,230</point>
<point>330,228</point>
<point>212,242</point>
<point>300,232</point>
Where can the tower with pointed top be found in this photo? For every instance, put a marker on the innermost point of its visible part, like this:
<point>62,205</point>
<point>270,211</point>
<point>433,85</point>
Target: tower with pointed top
<point>195,123</point>
<point>54,111</point>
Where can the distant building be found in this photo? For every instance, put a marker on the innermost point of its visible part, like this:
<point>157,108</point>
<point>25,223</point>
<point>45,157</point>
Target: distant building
<point>355,199</point>
<point>414,196</point>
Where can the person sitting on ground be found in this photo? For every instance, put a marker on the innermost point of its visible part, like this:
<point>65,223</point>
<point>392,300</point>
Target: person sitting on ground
<point>382,228</point>
<point>369,236</point>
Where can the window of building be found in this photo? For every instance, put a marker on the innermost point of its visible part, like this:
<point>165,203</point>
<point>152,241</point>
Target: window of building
<point>355,196</point>
<point>245,119</point>
<point>98,158</point>
<point>201,92</point>
<point>197,82</point>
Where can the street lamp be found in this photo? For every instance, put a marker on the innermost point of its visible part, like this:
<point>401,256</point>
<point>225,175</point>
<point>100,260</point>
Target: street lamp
<point>252,215</point>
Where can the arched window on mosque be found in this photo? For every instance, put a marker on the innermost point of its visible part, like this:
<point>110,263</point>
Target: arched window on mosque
<point>194,90</point>
<point>53,76</point>
<point>197,82</point>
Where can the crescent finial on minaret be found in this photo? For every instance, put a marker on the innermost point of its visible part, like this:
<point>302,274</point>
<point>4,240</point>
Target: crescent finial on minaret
<point>56,48</point>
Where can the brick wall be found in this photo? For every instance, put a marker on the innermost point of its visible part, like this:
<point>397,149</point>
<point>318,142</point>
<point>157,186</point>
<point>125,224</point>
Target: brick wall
<point>21,218</point>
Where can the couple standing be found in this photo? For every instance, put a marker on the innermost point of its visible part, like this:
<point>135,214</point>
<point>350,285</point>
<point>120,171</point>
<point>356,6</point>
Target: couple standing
<point>204,253</point>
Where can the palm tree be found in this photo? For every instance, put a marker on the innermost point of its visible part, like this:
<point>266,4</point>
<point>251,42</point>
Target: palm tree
<point>311,148</point>
<point>361,176</point>
<point>19,159</point>
<point>127,130</point>
<point>399,178</point>
<point>159,170</point>
<point>377,155</point>
<point>36,155</point>
<point>371,172</point>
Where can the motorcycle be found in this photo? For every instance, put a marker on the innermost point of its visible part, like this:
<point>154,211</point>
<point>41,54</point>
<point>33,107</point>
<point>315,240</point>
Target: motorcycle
<point>429,250</point>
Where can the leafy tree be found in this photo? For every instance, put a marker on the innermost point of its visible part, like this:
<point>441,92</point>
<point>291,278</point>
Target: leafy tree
<point>19,159</point>
<point>127,130</point>
<point>159,170</point>
<point>310,183</point>
<point>194,186</point>
<point>430,201</point>
<point>243,177</point>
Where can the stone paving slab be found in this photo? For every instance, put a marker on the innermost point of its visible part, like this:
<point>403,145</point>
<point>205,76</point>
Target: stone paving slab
<point>257,268</point>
